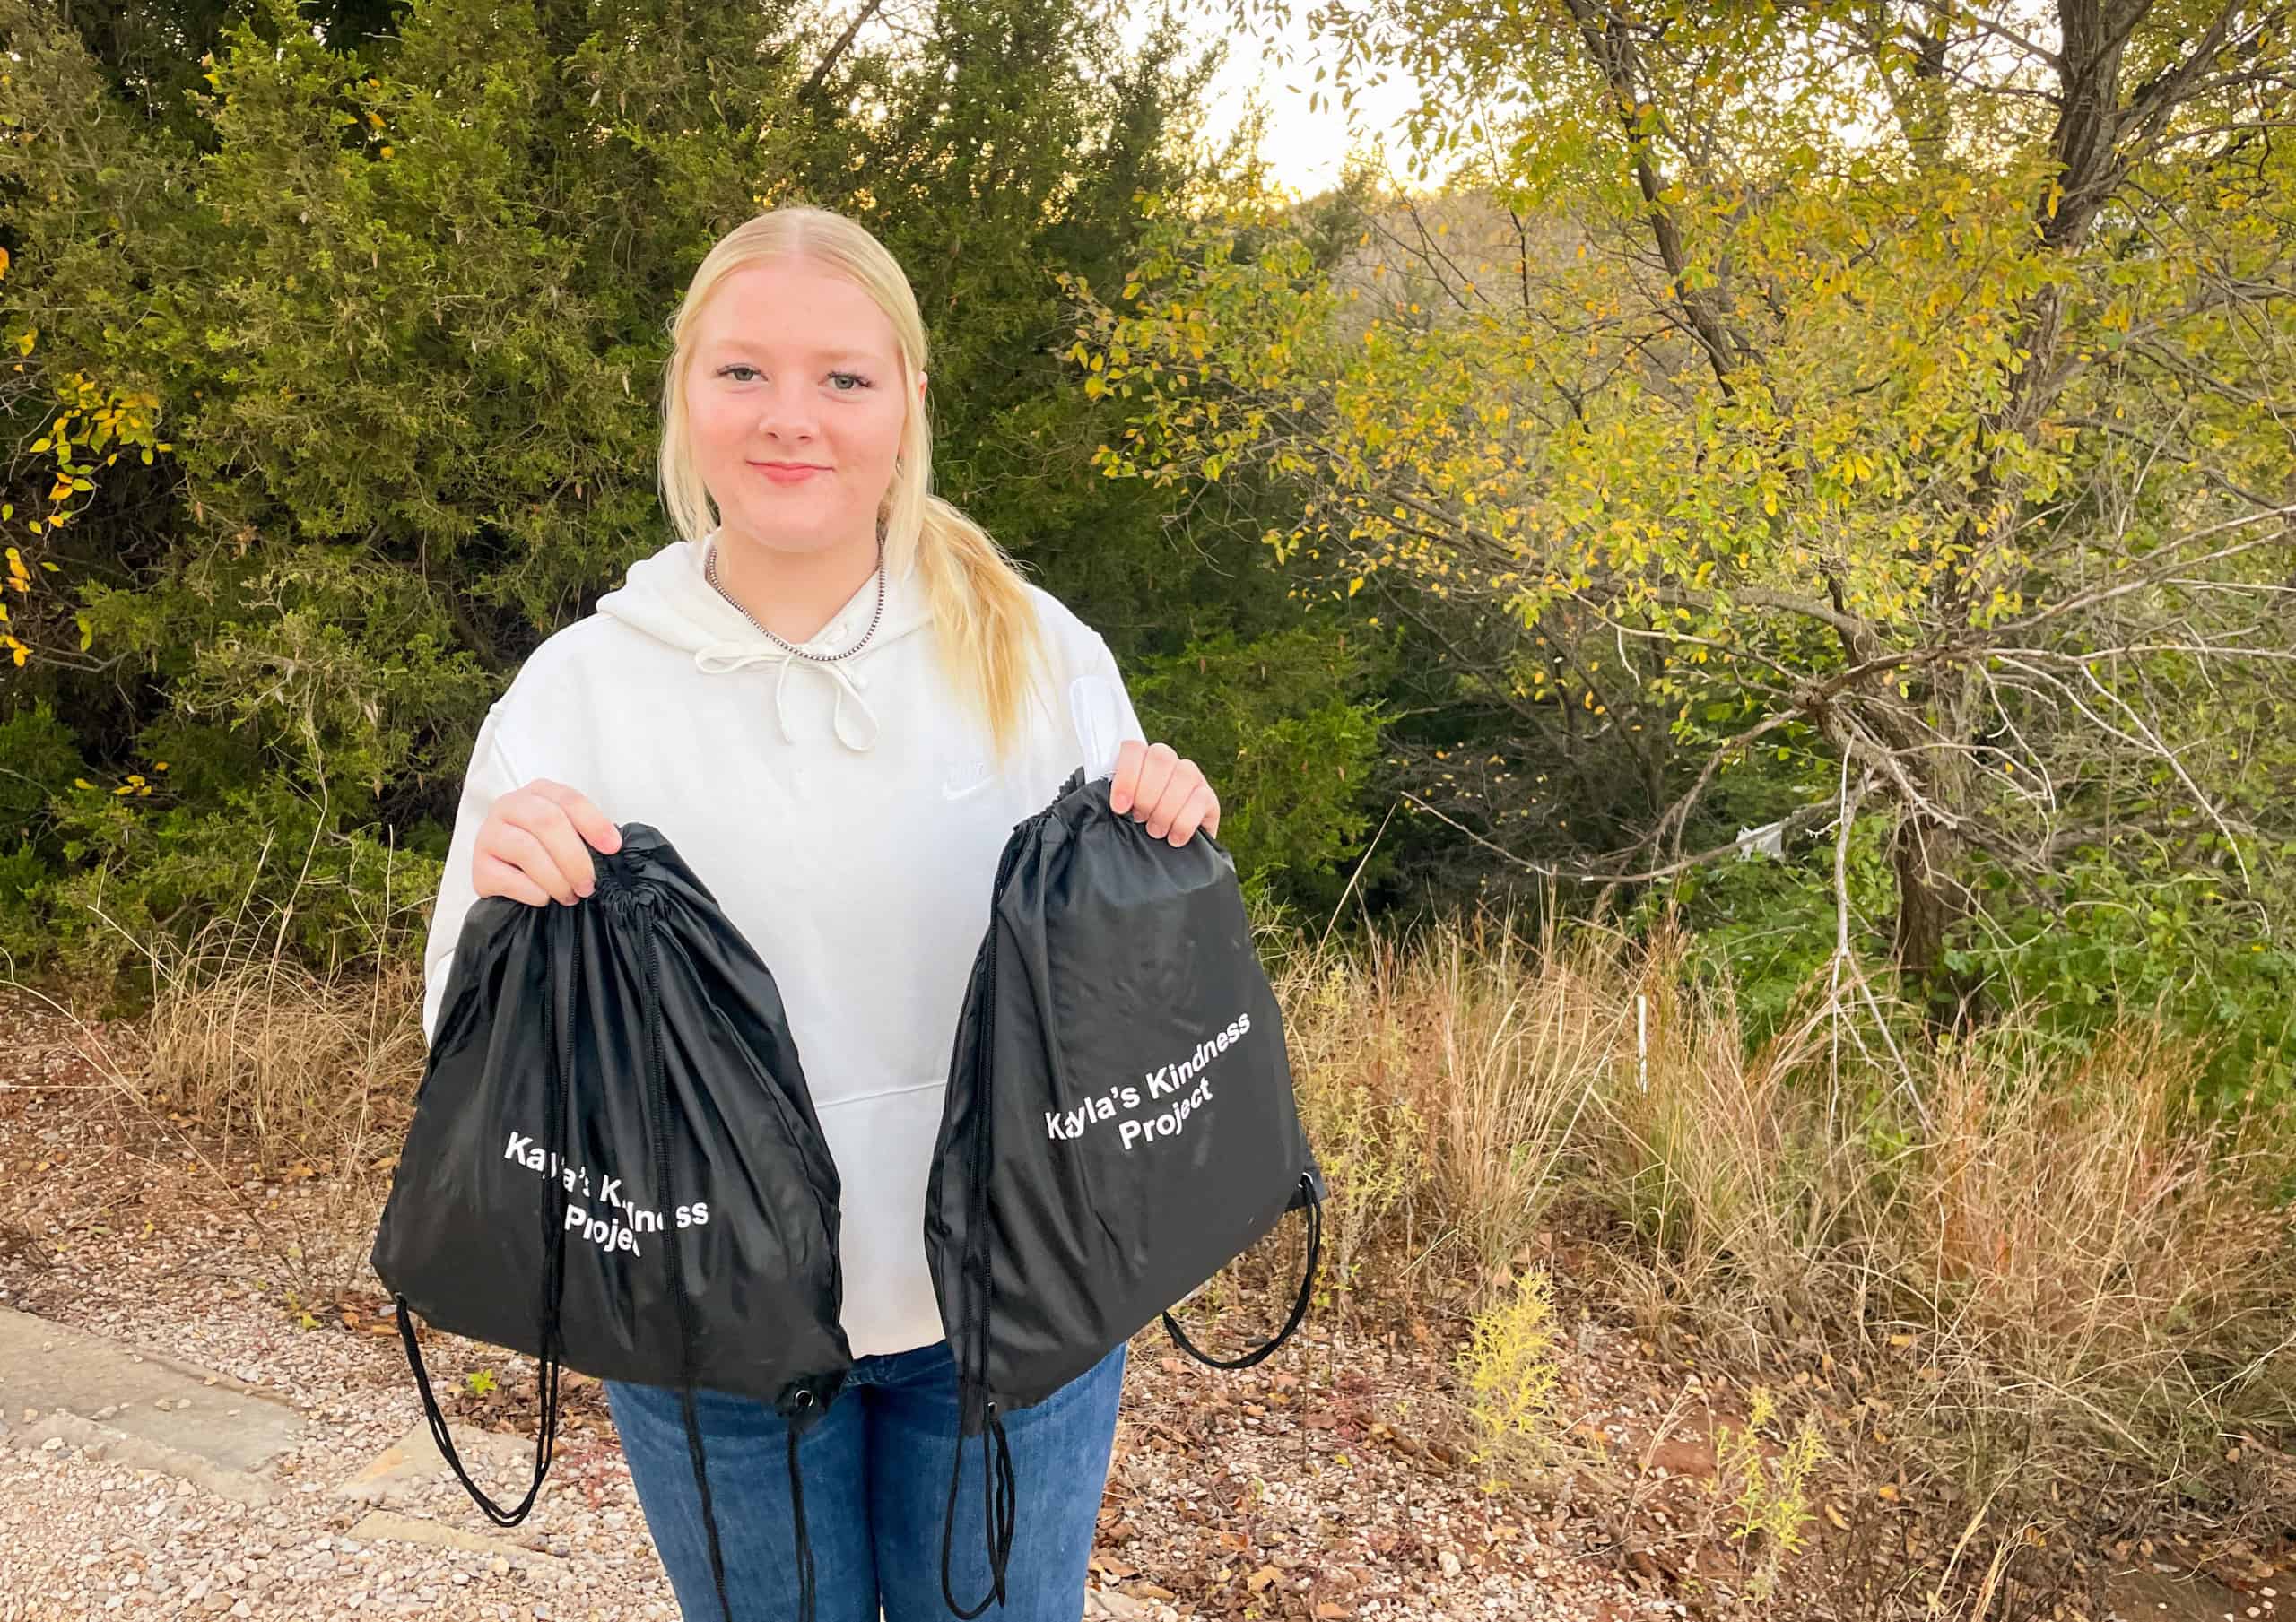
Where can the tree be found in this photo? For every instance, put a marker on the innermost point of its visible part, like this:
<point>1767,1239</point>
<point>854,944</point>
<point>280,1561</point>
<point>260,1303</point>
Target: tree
<point>335,387</point>
<point>1882,406</point>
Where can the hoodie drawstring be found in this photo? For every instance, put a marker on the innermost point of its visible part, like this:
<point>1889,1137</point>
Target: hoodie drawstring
<point>856,728</point>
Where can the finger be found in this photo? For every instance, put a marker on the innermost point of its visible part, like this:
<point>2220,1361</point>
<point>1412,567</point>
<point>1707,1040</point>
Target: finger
<point>594,825</point>
<point>492,876</point>
<point>525,849</point>
<point>1156,768</point>
<point>1199,805</point>
<point>1173,801</point>
<point>555,827</point>
<point>1211,820</point>
<point>1129,754</point>
<point>529,849</point>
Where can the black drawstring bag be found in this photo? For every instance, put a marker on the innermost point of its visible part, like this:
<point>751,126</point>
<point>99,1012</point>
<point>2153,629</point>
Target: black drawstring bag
<point>615,1167</point>
<point>1118,1127</point>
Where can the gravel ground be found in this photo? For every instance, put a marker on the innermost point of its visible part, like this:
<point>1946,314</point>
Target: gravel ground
<point>81,1537</point>
<point>1328,1484</point>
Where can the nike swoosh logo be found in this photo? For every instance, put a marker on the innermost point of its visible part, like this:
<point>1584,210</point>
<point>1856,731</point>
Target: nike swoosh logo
<point>968,781</point>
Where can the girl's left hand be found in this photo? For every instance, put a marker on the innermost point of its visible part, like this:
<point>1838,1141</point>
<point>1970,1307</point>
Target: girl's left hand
<point>1168,793</point>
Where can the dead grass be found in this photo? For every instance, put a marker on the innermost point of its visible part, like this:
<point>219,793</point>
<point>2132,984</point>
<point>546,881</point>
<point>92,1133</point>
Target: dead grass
<point>2047,1278</point>
<point>291,1066</point>
<point>2047,1287</point>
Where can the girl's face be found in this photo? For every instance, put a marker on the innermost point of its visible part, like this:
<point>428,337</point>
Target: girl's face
<point>794,403</point>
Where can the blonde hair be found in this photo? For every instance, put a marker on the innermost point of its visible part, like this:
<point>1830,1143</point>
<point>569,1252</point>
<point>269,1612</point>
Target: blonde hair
<point>989,633</point>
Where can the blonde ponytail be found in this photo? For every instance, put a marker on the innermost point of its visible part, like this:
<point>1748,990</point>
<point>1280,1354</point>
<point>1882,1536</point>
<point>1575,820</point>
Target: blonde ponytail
<point>988,622</point>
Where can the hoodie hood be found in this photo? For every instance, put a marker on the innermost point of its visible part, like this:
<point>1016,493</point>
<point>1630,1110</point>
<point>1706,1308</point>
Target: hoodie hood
<point>669,598</point>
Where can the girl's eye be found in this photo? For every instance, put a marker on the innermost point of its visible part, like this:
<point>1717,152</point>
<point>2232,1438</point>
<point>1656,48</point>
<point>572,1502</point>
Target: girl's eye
<point>843,383</point>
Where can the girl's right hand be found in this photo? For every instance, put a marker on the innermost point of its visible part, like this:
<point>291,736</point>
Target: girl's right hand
<point>531,846</point>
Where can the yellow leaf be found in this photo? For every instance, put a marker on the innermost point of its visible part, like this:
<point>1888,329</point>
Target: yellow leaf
<point>4,261</point>
<point>1355,586</point>
<point>24,340</point>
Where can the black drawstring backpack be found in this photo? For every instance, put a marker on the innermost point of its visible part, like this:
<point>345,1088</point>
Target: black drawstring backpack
<point>615,1167</point>
<point>1119,1126</point>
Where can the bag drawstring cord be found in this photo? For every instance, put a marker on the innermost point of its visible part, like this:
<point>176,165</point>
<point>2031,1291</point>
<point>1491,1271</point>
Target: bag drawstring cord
<point>806,1583</point>
<point>548,1367</point>
<point>658,1111</point>
<point>1000,1493</point>
<point>1314,1208</point>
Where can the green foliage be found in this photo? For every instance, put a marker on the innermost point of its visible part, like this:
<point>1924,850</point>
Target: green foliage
<point>285,865</point>
<point>1930,480</point>
<point>2156,935</point>
<point>1767,927</point>
<point>38,760</point>
<point>1282,728</point>
<point>335,362</point>
<point>2105,940</point>
<point>1846,411</point>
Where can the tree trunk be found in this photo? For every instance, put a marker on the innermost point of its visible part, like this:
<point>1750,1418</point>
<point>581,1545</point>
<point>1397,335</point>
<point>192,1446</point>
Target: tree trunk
<point>1930,902</point>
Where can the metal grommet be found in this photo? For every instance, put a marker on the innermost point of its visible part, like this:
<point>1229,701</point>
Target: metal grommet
<point>805,1400</point>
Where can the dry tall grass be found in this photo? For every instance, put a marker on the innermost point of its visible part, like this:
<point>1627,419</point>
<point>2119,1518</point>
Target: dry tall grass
<point>2035,1266</point>
<point>294,1067</point>
<point>2038,1266</point>
<point>290,1064</point>
<point>1441,1084</point>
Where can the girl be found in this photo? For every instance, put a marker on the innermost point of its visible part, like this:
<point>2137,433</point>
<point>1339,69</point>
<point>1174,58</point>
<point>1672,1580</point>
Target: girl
<point>835,695</point>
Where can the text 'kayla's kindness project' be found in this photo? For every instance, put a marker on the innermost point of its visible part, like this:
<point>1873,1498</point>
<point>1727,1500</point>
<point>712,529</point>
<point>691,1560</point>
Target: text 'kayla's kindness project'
<point>1166,1082</point>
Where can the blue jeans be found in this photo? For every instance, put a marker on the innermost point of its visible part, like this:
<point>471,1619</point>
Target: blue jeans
<point>877,1469</point>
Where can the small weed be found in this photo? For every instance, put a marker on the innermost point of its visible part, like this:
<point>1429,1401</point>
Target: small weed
<point>1511,1369</point>
<point>1772,1500</point>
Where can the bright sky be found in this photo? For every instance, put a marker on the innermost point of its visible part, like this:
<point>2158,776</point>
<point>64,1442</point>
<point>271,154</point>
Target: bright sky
<point>1304,149</point>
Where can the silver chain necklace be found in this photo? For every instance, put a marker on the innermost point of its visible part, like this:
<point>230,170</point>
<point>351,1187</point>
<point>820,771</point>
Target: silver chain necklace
<point>709,572</point>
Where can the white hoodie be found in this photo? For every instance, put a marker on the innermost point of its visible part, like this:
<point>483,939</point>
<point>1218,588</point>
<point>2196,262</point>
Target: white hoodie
<point>847,818</point>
